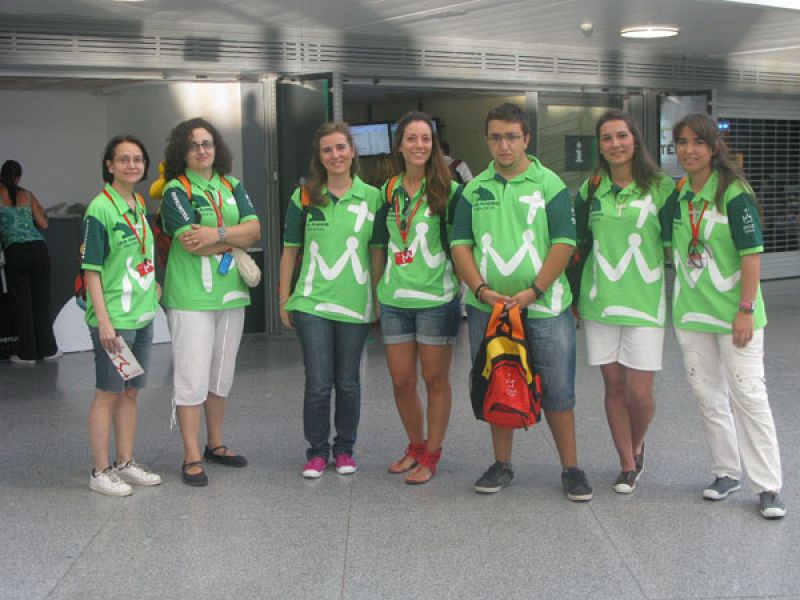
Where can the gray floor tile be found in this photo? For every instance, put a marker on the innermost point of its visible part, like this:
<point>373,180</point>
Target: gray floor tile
<point>265,532</point>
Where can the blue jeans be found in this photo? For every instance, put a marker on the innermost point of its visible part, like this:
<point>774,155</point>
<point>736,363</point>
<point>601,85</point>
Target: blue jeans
<point>332,357</point>
<point>551,342</point>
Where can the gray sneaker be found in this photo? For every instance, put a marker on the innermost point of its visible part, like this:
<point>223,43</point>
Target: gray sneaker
<point>721,488</point>
<point>496,477</point>
<point>576,485</point>
<point>626,482</point>
<point>770,505</point>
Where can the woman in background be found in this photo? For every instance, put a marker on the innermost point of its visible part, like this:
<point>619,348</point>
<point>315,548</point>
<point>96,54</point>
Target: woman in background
<point>27,267</point>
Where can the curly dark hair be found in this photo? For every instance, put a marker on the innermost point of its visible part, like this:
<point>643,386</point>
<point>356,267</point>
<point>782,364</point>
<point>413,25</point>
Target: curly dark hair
<point>437,174</point>
<point>111,147</point>
<point>178,148</point>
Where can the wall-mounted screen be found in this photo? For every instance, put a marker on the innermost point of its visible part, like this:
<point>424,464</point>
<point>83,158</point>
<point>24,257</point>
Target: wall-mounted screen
<point>372,139</point>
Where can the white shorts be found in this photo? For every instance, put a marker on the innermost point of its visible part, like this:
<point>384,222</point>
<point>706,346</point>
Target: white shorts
<point>639,348</point>
<point>204,348</point>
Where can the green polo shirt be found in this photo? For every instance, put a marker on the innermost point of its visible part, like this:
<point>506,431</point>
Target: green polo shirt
<point>429,279</point>
<point>110,247</point>
<point>335,276</point>
<point>623,278</point>
<point>194,282</point>
<point>511,226</point>
<point>707,299</point>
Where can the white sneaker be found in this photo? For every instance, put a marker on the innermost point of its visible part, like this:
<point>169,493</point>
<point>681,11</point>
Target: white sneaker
<point>133,472</point>
<point>21,361</point>
<point>108,482</point>
<point>58,354</point>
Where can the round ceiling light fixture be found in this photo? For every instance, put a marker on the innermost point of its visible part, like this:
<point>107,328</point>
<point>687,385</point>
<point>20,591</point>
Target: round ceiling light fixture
<point>649,32</point>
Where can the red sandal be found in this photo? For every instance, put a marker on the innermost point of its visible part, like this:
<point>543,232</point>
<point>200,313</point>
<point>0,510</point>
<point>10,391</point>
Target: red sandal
<point>430,460</point>
<point>415,451</point>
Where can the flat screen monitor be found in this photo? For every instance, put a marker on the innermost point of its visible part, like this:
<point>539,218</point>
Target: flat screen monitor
<point>372,139</point>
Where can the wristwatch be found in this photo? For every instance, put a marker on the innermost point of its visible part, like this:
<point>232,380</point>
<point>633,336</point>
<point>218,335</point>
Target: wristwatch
<point>747,308</point>
<point>221,233</point>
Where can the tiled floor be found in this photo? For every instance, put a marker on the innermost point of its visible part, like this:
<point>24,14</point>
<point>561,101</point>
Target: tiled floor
<point>264,532</point>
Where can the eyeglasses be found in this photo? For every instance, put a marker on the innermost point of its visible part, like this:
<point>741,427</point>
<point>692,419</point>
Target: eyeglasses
<point>498,138</point>
<point>205,145</point>
<point>129,160</point>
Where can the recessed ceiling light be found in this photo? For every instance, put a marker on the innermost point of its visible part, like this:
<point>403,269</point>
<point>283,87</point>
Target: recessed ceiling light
<point>649,32</point>
<point>793,4</point>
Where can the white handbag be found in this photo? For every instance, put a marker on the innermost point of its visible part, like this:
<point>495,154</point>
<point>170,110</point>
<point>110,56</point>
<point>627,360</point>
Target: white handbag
<point>248,268</point>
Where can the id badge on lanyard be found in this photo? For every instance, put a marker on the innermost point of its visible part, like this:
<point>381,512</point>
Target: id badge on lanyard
<point>146,266</point>
<point>406,255</point>
<point>697,253</point>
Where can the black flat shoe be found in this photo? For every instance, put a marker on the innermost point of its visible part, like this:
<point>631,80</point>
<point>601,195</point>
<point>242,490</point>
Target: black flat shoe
<point>194,479</point>
<point>229,461</point>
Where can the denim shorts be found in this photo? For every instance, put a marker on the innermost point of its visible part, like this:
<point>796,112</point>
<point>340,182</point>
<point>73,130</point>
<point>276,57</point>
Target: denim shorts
<point>551,342</point>
<point>435,326</point>
<point>140,341</point>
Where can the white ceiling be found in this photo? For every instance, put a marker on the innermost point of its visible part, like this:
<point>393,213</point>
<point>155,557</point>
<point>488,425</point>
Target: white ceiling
<point>709,28</point>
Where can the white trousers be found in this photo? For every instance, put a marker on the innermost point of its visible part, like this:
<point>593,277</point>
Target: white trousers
<point>728,384</point>
<point>204,348</point>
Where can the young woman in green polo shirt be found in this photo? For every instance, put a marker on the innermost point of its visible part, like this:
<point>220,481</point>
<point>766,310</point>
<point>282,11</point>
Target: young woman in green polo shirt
<point>121,304</point>
<point>331,220</point>
<point>719,315</point>
<point>418,292</point>
<point>203,291</point>
<point>619,214</point>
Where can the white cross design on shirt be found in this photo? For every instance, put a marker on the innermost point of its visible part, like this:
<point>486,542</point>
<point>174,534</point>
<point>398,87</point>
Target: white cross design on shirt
<point>645,206</point>
<point>534,203</point>
<point>362,213</point>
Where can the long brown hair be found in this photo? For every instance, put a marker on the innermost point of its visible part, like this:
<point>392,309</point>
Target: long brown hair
<point>644,169</point>
<point>437,175</point>
<point>722,160</point>
<point>317,174</point>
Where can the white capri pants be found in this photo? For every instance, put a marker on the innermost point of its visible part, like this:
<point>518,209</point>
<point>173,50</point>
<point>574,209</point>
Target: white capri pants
<point>729,386</point>
<point>204,348</point>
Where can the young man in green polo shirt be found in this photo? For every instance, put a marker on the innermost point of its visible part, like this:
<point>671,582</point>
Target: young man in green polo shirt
<point>512,239</point>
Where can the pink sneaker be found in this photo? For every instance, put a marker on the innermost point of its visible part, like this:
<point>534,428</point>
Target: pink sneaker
<point>315,467</point>
<point>345,465</point>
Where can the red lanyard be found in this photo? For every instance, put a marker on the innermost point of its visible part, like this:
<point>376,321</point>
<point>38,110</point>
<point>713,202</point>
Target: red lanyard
<point>404,232</point>
<point>210,197</point>
<point>142,240</point>
<point>696,226</point>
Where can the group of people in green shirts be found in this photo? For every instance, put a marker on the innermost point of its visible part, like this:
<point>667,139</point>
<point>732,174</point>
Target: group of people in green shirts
<point>354,253</point>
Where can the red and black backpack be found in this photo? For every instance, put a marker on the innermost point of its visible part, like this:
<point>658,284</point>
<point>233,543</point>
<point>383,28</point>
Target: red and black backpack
<point>505,389</point>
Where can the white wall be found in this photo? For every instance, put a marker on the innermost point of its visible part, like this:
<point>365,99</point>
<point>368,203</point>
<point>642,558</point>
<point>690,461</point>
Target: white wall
<point>57,137</point>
